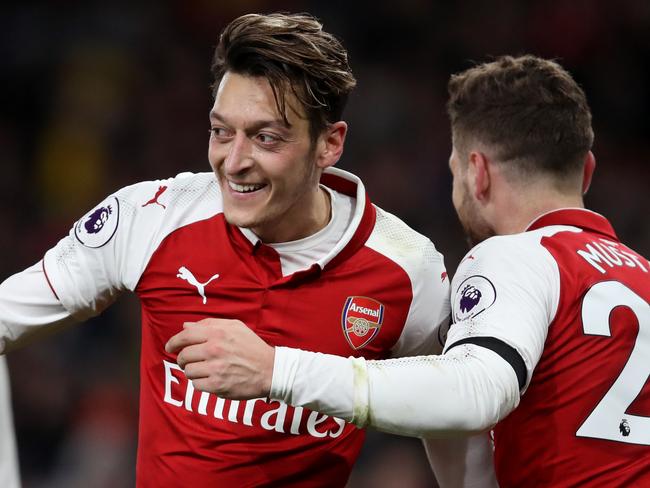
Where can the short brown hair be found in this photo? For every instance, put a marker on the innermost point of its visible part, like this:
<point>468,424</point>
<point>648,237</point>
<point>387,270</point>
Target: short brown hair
<point>529,109</point>
<point>292,52</point>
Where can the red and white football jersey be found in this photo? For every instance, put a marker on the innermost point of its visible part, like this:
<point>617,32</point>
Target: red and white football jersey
<point>381,292</point>
<point>572,300</point>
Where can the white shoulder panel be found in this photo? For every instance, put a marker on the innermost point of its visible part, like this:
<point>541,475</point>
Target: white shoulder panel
<point>417,256</point>
<point>508,287</point>
<point>108,249</point>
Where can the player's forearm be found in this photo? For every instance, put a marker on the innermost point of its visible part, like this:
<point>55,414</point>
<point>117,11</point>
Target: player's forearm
<point>28,308</point>
<point>467,390</point>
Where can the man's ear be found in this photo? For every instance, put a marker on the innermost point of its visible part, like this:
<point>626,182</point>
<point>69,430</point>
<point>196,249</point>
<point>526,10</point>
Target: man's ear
<point>330,144</point>
<point>588,171</point>
<point>479,175</point>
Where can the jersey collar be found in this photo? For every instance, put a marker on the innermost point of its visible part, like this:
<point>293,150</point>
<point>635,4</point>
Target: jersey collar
<point>577,217</point>
<point>360,228</point>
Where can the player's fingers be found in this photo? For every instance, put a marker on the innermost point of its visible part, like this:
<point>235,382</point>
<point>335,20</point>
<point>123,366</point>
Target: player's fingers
<point>188,336</point>
<point>206,384</point>
<point>191,354</point>
<point>196,371</point>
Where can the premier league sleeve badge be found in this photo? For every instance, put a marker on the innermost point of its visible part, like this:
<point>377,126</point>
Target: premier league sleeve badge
<point>473,296</point>
<point>97,227</point>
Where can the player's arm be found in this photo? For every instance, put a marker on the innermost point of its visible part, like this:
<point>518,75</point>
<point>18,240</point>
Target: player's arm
<point>466,390</point>
<point>492,348</point>
<point>29,308</point>
<point>103,255</point>
<point>455,461</point>
<point>76,279</point>
<point>501,322</point>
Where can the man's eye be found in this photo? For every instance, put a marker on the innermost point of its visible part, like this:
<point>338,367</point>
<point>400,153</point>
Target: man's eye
<point>219,131</point>
<point>267,138</point>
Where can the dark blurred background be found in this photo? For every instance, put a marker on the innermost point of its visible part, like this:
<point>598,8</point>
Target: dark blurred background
<point>97,96</point>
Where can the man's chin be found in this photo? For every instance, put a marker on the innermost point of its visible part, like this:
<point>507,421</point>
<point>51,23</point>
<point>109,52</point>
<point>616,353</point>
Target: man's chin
<point>243,221</point>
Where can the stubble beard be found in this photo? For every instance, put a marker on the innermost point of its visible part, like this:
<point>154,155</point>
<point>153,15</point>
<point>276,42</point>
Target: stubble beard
<point>476,229</point>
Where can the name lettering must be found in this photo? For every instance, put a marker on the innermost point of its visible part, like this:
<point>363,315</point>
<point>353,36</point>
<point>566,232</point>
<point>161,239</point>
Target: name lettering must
<point>603,252</point>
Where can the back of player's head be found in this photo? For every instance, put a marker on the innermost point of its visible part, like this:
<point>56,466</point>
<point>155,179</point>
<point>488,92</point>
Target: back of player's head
<point>293,53</point>
<point>529,110</point>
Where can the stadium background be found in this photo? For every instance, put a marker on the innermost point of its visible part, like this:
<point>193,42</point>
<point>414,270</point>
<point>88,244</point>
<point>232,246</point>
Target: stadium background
<point>97,96</point>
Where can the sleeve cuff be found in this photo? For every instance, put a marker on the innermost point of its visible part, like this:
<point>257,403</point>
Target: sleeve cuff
<point>285,366</point>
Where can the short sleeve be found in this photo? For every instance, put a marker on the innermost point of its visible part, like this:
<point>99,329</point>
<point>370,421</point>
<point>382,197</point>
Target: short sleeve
<point>107,249</point>
<point>428,318</point>
<point>82,268</point>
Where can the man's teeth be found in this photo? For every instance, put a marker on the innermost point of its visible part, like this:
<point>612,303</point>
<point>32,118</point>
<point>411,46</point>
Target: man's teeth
<point>244,188</point>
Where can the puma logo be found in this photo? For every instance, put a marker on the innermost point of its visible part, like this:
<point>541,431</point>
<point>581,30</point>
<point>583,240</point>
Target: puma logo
<point>154,200</point>
<point>186,274</point>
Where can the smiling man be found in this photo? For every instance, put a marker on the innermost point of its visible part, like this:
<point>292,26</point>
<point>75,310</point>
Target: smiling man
<point>279,239</point>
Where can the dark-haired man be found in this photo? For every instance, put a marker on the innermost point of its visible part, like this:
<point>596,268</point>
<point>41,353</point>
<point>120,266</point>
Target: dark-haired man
<point>551,333</point>
<point>279,239</point>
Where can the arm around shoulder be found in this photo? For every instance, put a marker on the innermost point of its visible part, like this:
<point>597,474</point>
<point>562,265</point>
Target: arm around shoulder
<point>465,391</point>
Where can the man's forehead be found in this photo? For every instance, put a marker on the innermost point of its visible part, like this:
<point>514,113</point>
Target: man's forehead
<point>253,97</point>
<point>255,123</point>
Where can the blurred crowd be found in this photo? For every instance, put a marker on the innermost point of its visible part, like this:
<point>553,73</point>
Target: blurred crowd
<point>96,96</point>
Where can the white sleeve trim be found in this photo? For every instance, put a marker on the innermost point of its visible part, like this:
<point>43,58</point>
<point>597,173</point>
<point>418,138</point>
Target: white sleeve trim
<point>467,390</point>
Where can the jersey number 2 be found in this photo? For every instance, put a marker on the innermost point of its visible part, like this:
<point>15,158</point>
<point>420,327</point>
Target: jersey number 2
<point>609,420</point>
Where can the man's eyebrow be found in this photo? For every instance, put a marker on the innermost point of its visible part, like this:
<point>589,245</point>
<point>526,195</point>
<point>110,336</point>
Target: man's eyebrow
<point>257,125</point>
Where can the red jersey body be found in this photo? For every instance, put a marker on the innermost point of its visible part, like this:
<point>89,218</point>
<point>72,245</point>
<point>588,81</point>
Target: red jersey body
<point>584,416</point>
<point>380,294</point>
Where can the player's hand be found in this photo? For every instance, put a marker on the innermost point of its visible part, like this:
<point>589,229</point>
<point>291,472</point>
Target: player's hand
<point>224,357</point>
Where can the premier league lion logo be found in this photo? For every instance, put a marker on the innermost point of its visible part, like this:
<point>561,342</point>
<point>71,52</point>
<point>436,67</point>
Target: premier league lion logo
<point>95,222</point>
<point>470,296</point>
<point>473,296</point>
<point>99,225</point>
<point>624,428</point>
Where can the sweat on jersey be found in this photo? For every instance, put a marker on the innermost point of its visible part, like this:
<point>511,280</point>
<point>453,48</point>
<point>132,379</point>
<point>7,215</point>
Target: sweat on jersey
<point>381,292</point>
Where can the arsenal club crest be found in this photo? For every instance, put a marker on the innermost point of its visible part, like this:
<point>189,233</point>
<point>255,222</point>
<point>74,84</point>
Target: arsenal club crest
<point>361,320</point>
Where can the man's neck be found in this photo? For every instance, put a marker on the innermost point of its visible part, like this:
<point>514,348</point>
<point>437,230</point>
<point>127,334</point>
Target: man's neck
<point>312,217</point>
<point>516,214</point>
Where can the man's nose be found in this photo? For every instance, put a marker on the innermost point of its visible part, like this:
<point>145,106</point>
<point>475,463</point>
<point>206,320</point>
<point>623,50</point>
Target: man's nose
<point>239,157</point>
